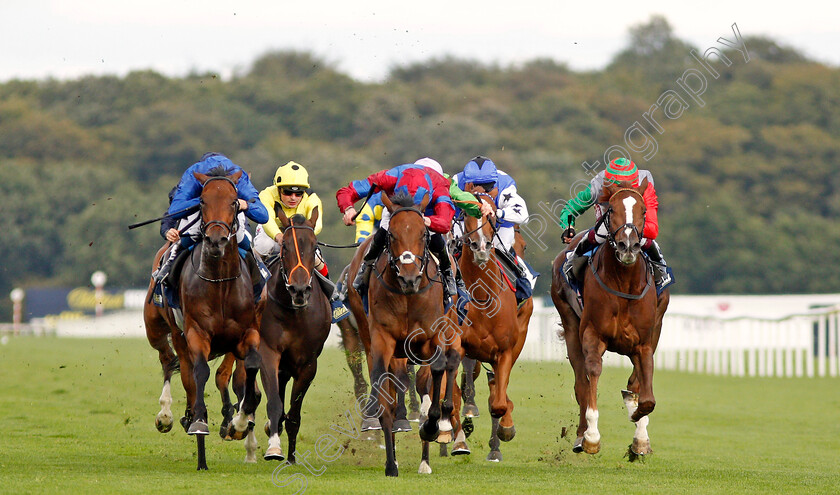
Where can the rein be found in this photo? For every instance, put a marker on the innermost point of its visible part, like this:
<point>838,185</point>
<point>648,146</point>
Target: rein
<point>632,297</point>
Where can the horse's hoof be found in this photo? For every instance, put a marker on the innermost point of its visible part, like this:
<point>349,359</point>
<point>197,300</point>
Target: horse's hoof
<point>185,423</point>
<point>162,424</point>
<point>578,447</point>
<point>429,434</point>
<point>250,459</point>
<point>392,471</point>
<point>268,427</point>
<point>401,425</point>
<point>460,448</point>
<point>274,454</point>
<point>198,427</point>
<point>425,468</point>
<point>641,447</point>
<point>444,437</point>
<point>414,416</point>
<point>240,435</point>
<point>506,433</point>
<point>224,432</point>
<point>470,410</point>
<point>468,426</point>
<point>371,424</point>
<point>494,456</point>
<point>591,448</point>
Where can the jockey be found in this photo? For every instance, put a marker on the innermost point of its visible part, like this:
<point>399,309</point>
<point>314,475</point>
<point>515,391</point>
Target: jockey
<point>618,170</point>
<point>290,192</point>
<point>370,217</point>
<point>510,210</point>
<point>187,196</point>
<point>417,181</point>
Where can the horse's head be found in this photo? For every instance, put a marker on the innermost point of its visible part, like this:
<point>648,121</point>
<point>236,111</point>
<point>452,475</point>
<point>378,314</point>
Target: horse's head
<point>407,240</point>
<point>625,219</point>
<point>219,205</point>
<point>479,232</point>
<point>298,254</point>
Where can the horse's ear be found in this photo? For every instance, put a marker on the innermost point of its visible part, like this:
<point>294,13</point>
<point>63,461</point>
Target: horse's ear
<point>386,201</point>
<point>201,178</point>
<point>643,186</point>
<point>425,201</point>
<point>313,218</point>
<point>606,194</point>
<point>281,215</point>
<point>236,176</point>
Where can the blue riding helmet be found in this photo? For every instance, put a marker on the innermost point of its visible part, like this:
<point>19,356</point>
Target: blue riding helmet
<point>480,170</point>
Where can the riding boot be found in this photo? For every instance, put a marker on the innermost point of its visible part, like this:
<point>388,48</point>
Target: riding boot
<point>360,283</point>
<point>160,274</point>
<point>583,246</point>
<point>259,273</point>
<point>438,247</point>
<point>661,271</point>
<point>463,298</point>
<point>339,311</point>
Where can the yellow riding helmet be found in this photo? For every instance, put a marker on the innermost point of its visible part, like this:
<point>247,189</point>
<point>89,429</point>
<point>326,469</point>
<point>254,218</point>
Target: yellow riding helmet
<point>292,176</point>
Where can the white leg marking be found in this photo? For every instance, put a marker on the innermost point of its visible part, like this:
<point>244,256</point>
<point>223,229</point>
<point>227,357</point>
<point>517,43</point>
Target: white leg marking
<point>631,402</point>
<point>251,447</point>
<point>592,435</point>
<point>240,420</point>
<point>641,434</point>
<point>165,414</point>
<point>461,437</point>
<point>425,405</point>
<point>424,468</point>
<point>444,424</point>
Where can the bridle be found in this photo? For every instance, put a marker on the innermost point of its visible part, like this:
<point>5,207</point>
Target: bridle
<point>465,236</point>
<point>606,219</point>
<point>407,257</point>
<point>299,265</point>
<point>230,227</point>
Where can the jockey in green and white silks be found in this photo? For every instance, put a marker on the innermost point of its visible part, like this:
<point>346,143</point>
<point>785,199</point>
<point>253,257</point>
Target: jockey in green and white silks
<point>618,170</point>
<point>511,210</point>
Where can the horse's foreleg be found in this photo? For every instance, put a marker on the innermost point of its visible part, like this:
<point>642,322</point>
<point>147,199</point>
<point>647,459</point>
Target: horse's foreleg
<point>223,374</point>
<point>299,389</point>
<point>429,430</point>
<point>576,359</point>
<point>641,404</point>
<point>593,351</point>
<point>355,354</point>
<point>499,402</point>
<point>401,423</point>
<point>413,400</point>
<point>381,403</point>
<point>425,467</point>
<point>274,406</point>
<point>470,369</point>
<point>453,361</point>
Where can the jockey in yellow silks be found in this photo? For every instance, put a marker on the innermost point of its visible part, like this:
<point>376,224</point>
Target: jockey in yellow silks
<point>291,192</point>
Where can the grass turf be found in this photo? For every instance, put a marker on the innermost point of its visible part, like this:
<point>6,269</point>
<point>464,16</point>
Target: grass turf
<point>80,419</point>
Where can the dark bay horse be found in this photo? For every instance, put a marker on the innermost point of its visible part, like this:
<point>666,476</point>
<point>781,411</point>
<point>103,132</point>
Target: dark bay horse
<point>295,324</point>
<point>494,329</point>
<point>406,321</point>
<point>621,313</point>
<point>218,310</point>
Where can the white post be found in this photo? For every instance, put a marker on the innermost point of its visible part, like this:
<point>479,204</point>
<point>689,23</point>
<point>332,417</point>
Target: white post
<point>17,296</point>
<point>98,279</point>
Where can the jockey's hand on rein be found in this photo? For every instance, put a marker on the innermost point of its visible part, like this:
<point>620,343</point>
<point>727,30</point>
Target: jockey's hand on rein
<point>348,216</point>
<point>568,234</point>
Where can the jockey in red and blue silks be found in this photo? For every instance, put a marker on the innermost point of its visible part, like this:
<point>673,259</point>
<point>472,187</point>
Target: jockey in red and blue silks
<point>187,195</point>
<point>417,181</point>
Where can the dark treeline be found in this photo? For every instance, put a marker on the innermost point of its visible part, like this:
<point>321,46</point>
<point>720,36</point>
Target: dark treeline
<point>748,182</point>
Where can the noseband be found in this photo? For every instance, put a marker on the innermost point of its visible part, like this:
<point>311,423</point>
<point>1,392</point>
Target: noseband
<point>408,257</point>
<point>230,227</point>
<point>299,265</point>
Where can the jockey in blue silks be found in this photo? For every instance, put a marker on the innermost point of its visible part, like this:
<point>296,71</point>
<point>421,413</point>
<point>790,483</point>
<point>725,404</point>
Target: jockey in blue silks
<point>510,211</point>
<point>187,195</point>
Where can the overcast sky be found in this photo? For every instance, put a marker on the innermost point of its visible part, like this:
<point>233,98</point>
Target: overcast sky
<point>66,39</point>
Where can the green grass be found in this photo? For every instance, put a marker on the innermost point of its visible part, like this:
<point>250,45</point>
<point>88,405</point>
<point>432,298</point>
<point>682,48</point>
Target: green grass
<point>79,417</point>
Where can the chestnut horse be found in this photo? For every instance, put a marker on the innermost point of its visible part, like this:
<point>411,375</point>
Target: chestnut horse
<point>621,313</point>
<point>494,329</point>
<point>406,321</point>
<point>295,324</point>
<point>218,309</point>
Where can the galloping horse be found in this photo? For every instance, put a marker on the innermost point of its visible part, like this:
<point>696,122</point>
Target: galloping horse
<point>621,313</point>
<point>218,310</point>
<point>295,324</point>
<point>406,309</point>
<point>494,330</point>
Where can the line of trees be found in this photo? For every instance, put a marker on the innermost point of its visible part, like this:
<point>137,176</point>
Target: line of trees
<point>749,183</point>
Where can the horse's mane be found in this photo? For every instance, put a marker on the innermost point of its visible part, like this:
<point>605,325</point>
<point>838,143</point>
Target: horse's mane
<point>297,219</point>
<point>403,199</point>
<point>218,171</point>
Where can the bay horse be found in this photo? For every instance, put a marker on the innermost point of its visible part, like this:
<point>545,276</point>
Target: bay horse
<point>621,313</point>
<point>494,329</point>
<point>218,313</point>
<point>295,324</point>
<point>406,310</point>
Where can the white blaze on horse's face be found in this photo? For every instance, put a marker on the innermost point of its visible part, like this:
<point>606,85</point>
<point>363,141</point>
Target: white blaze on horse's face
<point>407,258</point>
<point>629,202</point>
